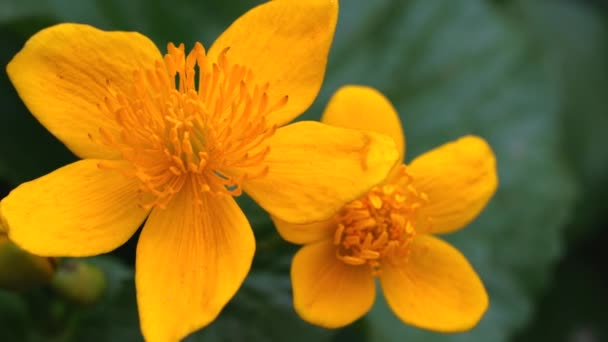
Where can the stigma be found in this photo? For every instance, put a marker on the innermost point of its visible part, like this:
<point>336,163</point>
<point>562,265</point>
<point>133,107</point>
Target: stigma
<point>189,120</point>
<point>379,226</point>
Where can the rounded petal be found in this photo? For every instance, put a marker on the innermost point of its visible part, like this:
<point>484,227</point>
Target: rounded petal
<point>62,75</point>
<point>305,233</point>
<point>77,210</point>
<point>328,292</point>
<point>365,108</point>
<point>459,178</point>
<point>284,43</point>
<point>191,259</point>
<point>435,288</point>
<point>315,169</point>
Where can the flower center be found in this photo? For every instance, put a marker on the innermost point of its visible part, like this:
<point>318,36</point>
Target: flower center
<point>381,224</point>
<point>189,119</point>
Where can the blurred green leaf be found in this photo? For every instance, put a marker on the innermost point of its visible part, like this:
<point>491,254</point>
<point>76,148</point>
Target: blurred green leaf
<point>41,316</point>
<point>13,317</point>
<point>163,21</point>
<point>575,308</point>
<point>115,317</point>
<point>17,10</point>
<point>575,38</point>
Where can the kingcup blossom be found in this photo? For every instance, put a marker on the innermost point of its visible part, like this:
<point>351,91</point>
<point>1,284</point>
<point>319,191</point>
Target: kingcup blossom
<point>168,141</point>
<point>389,233</point>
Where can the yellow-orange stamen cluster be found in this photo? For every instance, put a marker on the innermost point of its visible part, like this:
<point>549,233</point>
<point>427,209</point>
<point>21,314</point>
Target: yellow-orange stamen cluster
<point>192,120</point>
<point>381,224</point>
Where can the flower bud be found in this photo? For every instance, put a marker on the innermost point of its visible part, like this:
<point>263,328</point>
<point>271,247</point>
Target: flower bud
<point>79,281</point>
<point>20,270</point>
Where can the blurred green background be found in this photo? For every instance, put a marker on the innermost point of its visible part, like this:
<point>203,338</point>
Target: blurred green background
<point>531,76</point>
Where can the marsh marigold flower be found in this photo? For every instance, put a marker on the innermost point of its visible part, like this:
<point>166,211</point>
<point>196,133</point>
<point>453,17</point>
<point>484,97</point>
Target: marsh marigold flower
<point>388,233</point>
<point>173,139</point>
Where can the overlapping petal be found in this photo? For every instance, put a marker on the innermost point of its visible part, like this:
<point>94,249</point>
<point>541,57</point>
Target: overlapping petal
<point>314,169</point>
<point>435,288</point>
<point>191,259</point>
<point>365,108</point>
<point>326,291</point>
<point>305,233</point>
<point>460,178</point>
<point>63,72</point>
<point>284,43</point>
<point>77,210</point>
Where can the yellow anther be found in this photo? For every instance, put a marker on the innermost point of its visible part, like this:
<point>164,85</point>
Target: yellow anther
<point>381,224</point>
<point>191,120</point>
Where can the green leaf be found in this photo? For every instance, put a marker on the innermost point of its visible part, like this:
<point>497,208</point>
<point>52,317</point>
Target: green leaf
<point>575,308</point>
<point>576,39</point>
<point>13,317</point>
<point>161,20</point>
<point>16,10</point>
<point>115,317</point>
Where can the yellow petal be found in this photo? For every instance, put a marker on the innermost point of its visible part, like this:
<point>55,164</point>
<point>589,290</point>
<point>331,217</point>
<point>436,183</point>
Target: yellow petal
<point>62,74</point>
<point>77,210</point>
<point>460,178</point>
<point>314,169</point>
<point>328,292</point>
<point>2,229</point>
<point>284,43</point>
<point>435,288</point>
<point>305,233</point>
<point>191,259</point>
<point>365,108</point>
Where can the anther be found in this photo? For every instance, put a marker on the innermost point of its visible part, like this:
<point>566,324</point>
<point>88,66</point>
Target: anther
<point>380,225</point>
<point>174,129</point>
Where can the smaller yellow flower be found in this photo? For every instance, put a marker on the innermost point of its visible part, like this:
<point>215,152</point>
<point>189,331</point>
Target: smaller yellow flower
<point>388,232</point>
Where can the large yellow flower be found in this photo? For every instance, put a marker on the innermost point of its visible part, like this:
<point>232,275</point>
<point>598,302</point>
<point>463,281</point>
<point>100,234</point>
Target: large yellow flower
<point>387,233</point>
<point>173,139</point>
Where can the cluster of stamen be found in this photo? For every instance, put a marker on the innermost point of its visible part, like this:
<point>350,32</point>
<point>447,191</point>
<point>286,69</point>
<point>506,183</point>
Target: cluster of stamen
<point>190,119</point>
<point>381,224</point>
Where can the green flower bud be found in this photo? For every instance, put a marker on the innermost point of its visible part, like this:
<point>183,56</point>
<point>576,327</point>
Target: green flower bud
<point>20,270</point>
<point>79,282</point>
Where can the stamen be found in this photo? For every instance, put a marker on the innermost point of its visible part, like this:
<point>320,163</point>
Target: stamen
<point>380,225</point>
<point>190,119</point>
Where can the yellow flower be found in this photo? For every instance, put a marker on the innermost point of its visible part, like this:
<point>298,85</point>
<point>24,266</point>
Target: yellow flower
<point>173,139</point>
<point>387,233</point>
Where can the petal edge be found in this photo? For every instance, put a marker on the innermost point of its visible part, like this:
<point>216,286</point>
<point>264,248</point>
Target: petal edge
<point>326,291</point>
<point>460,178</point>
<point>435,289</point>
<point>304,233</point>
<point>76,210</point>
<point>365,108</point>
